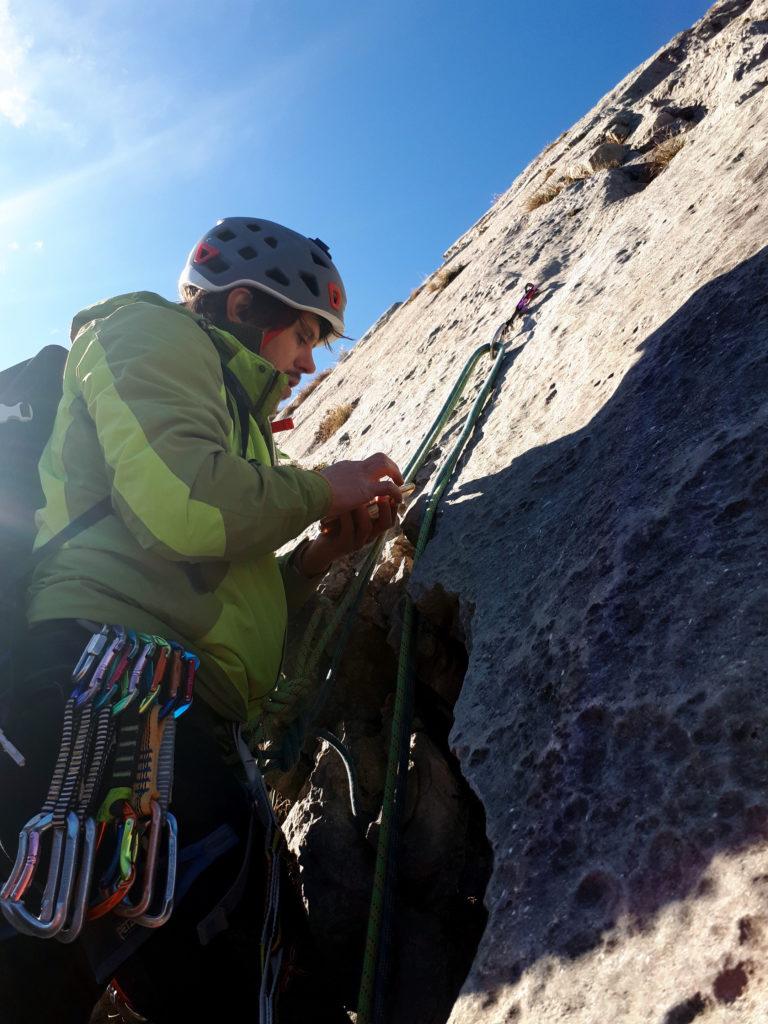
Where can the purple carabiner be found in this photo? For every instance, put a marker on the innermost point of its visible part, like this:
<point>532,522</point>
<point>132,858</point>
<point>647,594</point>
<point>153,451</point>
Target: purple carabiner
<point>531,291</point>
<point>135,677</point>
<point>86,693</point>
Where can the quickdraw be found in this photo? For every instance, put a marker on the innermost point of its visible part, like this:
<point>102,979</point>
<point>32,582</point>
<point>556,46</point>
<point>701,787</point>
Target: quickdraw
<point>119,725</point>
<point>530,293</point>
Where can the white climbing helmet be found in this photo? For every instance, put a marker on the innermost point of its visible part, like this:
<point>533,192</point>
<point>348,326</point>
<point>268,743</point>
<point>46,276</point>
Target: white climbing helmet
<point>261,254</point>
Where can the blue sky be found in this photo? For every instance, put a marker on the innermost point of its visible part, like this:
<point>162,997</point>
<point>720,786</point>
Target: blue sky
<point>384,128</point>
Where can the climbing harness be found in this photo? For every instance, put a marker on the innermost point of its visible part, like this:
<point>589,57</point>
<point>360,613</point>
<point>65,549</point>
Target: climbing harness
<point>107,808</point>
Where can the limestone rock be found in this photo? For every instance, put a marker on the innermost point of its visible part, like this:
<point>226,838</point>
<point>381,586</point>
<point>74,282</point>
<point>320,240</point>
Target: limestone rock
<point>606,540</point>
<point>667,124</point>
<point>608,154</point>
<point>439,890</point>
<point>618,132</point>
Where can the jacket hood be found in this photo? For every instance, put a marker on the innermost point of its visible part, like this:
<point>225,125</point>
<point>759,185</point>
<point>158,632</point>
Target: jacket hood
<point>262,383</point>
<point>106,307</point>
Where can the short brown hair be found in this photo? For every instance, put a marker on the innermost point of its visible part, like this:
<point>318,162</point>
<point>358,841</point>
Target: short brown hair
<point>265,312</point>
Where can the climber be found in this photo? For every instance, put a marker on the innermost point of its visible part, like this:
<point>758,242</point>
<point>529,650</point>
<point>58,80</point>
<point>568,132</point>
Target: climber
<point>166,410</point>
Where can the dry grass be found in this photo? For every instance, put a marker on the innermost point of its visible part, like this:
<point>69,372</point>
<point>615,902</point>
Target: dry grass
<point>544,195</point>
<point>550,189</point>
<point>332,420</point>
<point>444,277</point>
<point>305,392</point>
<point>662,155</point>
<point>576,172</point>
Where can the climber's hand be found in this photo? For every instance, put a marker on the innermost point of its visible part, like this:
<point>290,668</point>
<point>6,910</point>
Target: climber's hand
<point>349,532</point>
<point>356,484</point>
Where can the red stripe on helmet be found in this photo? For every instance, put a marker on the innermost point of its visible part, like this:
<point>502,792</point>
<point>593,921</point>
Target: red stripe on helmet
<point>205,252</point>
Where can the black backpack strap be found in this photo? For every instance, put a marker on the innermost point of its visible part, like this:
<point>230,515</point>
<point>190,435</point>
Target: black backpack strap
<point>234,388</point>
<point>78,524</point>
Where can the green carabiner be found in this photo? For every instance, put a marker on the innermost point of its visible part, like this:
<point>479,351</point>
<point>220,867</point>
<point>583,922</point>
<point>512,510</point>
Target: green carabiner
<point>128,846</point>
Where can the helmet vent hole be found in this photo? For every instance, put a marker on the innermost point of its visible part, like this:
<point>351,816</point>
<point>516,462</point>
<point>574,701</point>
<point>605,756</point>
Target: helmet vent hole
<point>247,252</point>
<point>217,265</point>
<point>311,282</point>
<point>253,226</point>
<point>271,242</point>
<point>277,275</point>
<point>226,235</point>
<point>320,261</point>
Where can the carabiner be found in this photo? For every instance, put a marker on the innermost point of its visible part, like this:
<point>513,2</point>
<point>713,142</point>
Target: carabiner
<point>56,898</point>
<point>173,689</point>
<point>159,672</point>
<point>128,845</point>
<point>118,670</point>
<point>111,899</point>
<point>85,694</point>
<point>80,900</point>
<point>23,879</point>
<point>91,651</point>
<point>123,855</point>
<point>193,664</point>
<point>530,293</point>
<point>158,919</point>
<point>132,688</point>
<point>131,910</point>
<point>32,828</point>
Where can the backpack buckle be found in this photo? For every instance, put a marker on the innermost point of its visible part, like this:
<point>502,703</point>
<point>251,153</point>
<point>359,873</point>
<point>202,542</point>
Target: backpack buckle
<point>19,413</point>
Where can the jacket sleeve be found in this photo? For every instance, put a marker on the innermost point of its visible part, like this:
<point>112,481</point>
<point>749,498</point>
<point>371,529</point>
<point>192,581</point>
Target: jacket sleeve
<point>298,589</point>
<point>152,384</point>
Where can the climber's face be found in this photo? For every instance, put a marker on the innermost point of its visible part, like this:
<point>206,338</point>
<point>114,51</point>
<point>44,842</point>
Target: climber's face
<point>291,349</point>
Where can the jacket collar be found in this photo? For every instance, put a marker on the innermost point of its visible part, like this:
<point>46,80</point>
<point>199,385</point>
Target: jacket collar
<point>261,382</point>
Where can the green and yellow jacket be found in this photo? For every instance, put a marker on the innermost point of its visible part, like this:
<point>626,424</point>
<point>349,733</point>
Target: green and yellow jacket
<point>189,551</point>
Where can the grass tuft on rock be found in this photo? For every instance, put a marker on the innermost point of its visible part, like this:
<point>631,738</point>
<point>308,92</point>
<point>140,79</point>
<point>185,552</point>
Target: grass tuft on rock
<point>332,420</point>
<point>443,277</point>
<point>662,155</point>
<point>544,195</point>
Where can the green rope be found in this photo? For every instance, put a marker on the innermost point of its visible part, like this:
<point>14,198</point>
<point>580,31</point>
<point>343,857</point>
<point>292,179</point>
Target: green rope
<point>289,709</point>
<point>283,703</point>
<point>371,996</point>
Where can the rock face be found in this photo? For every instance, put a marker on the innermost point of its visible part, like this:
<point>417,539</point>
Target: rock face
<point>606,537</point>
